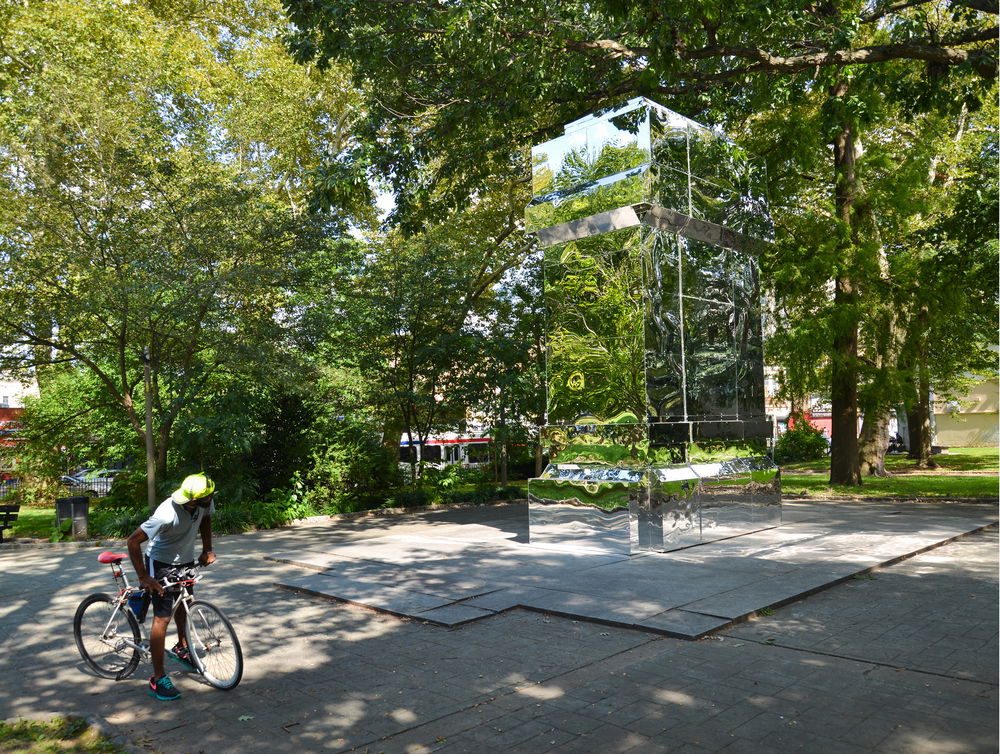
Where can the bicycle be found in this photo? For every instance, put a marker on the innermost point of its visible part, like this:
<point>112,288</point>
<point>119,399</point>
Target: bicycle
<point>110,638</point>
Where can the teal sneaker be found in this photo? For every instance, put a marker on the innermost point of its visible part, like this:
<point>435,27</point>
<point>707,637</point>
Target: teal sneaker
<point>182,655</point>
<point>163,689</point>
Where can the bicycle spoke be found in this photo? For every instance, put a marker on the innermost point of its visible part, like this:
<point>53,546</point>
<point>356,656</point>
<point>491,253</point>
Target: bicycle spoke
<point>106,636</point>
<point>214,645</point>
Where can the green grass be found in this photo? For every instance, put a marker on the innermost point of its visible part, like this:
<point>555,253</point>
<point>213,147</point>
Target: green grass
<point>34,521</point>
<point>969,459</point>
<point>911,486</point>
<point>985,460</point>
<point>57,735</point>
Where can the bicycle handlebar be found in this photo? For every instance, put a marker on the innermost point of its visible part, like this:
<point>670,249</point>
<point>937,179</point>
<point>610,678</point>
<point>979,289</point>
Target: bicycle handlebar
<point>179,577</point>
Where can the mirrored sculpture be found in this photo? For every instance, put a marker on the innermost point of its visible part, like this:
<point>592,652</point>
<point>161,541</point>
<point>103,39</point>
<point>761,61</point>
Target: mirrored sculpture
<point>657,437</point>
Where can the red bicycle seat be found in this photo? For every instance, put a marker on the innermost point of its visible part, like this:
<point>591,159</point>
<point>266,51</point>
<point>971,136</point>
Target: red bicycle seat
<point>111,557</point>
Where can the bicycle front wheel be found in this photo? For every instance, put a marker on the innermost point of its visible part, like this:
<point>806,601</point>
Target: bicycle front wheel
<point>214,647</point>
<point>107,635</point>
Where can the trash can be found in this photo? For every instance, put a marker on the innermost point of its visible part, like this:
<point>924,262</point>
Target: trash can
<point>76,508</point>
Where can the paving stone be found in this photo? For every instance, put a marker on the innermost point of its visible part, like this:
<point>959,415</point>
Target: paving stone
<point>773,566</point>
<point>454,614</point>
<point>684,623</point>
<point>325,675</point>
<point>390,599</point>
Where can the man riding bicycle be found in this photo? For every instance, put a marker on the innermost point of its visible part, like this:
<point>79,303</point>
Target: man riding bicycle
<point>171,532</point>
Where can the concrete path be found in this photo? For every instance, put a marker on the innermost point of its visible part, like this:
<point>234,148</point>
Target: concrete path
<point>471,564</point>
<point>903,661</point>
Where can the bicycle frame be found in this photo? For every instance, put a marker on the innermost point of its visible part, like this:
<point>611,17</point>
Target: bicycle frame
<point>126,590</point>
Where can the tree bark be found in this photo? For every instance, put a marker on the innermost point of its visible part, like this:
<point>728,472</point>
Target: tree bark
<point>918,414</point>
<point>844,466</point>
<point>923,414</point>
<point>874,442</point>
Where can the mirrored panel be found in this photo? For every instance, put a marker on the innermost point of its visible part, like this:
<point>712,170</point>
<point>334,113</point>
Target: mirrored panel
<point>593,293</point>
<point>615,445</point>
<point>549,173</point>
<point>717,451</point>
<point>737,496</point>
<point>673,493</point>
<point>610,192</point>
<point>750,388</point>
<point>669,188</point>
<point>657,432</point>
<point>669,137</point>
<point>584,507</point>
<point>711,387</point>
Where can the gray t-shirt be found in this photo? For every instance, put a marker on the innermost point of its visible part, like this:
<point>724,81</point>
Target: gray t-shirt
<point>172,531</point>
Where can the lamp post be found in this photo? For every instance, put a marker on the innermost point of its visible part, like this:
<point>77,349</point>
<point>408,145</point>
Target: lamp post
<point>150,451</point>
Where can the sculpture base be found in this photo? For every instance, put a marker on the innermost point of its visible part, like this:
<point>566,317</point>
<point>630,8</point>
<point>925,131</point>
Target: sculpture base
<point>603,508</point>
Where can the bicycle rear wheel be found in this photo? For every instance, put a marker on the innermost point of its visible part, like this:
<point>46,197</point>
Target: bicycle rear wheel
<point>107,635</point>
<point>214,647</point>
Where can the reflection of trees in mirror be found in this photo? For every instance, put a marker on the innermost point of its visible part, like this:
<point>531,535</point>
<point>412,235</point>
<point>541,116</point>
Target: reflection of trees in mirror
<point>577,189</point>
<point>593,294</point>
<point>581,167</point>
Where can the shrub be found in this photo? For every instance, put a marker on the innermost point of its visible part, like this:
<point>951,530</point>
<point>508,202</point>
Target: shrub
<point>803,442</point>
<point>350,467</point>
<point>411,497</point>
<point>115,523</point>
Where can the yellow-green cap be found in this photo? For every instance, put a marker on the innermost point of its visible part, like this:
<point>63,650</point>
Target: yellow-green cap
<point>193,487</point>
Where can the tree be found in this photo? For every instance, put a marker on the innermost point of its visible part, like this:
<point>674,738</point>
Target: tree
<point>464,86</point>
<point>135,216</point>
<point>412,315</point>
<point>952,294</point>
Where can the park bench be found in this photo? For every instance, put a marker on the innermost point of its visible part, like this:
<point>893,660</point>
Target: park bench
<point>8,515</point>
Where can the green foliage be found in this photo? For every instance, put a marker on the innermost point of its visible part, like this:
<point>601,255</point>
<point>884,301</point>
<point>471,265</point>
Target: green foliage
<point>62,532</point>
<point>348,467</point>
<point>449,477</point>
<point>411,497</point>
<point>153,202</point>
<point>460,127</point>
<point>477,493</point>
<point>116,523</point>
<point>803,442</point>
<point>34,488</point>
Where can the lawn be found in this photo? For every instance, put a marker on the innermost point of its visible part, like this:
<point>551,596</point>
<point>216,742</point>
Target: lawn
<point>35,521</point>
<point>903,486</point>
<point>58,735</point>
<point>962,472</point>
<point>984,460</point>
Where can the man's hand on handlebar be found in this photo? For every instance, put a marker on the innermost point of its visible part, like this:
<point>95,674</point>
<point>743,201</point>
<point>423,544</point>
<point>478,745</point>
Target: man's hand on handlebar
<point>151,585</point>
<point>206,558</point>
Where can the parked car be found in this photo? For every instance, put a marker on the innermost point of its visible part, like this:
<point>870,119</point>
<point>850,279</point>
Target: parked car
<point>92,483</point>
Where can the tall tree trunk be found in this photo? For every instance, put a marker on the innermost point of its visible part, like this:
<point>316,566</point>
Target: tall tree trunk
<point>918,414</point>
<point>884,345</point>
<point>914,429</point>
<point>923,412</point>
<point>796,405</point>
<point>874,442</point>
<point>844,466</point>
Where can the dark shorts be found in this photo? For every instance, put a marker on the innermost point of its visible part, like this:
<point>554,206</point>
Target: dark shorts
<point>163,605</point>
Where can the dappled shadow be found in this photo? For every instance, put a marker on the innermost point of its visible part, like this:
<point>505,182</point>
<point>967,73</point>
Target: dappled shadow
<point>323,675</point>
